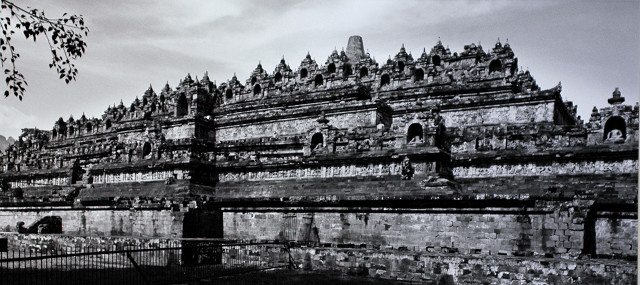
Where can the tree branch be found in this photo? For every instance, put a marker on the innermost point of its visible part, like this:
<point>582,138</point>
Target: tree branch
<point>61,38</point>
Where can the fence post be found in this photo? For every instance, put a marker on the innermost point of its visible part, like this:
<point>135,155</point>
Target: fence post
<point>135,265</point>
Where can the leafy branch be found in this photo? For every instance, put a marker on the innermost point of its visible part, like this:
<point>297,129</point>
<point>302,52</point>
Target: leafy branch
<point>64,36</point>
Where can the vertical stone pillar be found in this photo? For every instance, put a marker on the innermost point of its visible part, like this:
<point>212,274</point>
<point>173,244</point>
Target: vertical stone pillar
<point>202,222</point>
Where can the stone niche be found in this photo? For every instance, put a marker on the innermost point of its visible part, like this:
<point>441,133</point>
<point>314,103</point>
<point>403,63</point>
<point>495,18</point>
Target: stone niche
<point>614,124</point>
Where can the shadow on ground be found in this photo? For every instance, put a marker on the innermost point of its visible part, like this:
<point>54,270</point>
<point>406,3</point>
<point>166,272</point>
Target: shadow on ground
<point>284,276</point>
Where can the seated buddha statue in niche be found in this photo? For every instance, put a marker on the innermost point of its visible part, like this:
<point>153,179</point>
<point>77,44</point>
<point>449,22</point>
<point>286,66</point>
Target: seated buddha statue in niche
<point>615,136</point>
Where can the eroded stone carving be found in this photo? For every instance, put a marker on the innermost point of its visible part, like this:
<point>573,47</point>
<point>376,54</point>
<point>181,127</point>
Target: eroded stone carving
<point>407,169</point>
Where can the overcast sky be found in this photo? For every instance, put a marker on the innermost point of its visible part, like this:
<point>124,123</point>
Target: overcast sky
<point>591,46</point>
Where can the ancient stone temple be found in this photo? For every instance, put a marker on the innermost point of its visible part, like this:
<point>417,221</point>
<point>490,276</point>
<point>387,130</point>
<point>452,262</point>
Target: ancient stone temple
<point>453,164</point>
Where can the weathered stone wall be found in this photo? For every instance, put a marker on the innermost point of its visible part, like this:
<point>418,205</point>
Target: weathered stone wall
<point>40,182</point>
<point>345,170</point>
<point>547,168</point>
<point>151,223</point>
<point>525,138</point>
<point>489,232</point>
<point>294,126</point>
<point>616,236</point>
<point>622,188</point>
<point>513,114</point>
<point>179,132</point>
<point>139,176</point>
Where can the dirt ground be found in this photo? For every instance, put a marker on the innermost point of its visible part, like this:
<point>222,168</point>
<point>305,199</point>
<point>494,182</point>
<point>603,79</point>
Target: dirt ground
<point>298,276</point>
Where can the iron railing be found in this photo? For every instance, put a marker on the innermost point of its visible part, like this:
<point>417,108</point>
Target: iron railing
<point>188,260</point>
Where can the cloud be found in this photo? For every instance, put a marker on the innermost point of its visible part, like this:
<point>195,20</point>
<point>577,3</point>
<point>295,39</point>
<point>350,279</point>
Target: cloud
<point>12,121</point>
<point>590,47</point>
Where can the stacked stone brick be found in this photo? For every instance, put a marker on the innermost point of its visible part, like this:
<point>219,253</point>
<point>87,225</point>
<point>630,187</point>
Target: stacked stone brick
<point>448,155</point>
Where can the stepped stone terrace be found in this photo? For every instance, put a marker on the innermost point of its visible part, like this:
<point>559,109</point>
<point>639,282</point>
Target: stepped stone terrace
<point>448,155</point>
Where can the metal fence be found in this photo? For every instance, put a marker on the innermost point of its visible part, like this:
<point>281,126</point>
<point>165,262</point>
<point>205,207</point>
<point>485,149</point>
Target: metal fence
<point>163,265</point>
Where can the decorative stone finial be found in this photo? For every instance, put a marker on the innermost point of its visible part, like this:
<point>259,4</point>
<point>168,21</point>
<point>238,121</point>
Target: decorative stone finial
<point>616,97</point>
<point>557,88</point>
<point>424,55</point>
<point>334,54</point>
<point>149,92</point>
<point>166,88</point>
<point>355,48</point>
